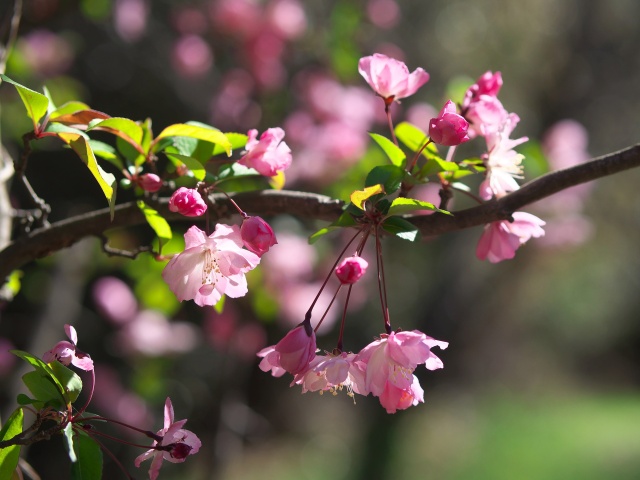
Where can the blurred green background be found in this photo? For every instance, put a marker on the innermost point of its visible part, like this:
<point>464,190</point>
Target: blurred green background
<point>542,376</point>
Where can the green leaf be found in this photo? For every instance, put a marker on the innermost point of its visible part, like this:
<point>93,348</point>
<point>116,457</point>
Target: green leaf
<point>219,306</point>
<point>198,132</point>
<point>400,228</point>
<point>411,136</point>
<point>41,367</point>
<point>68,441</point>
<point>389,176</point>
<point>404,205</point>
<point>395,153</point>
<point>106,180</point>
<point>237,140</point>
<point>192,164</point>
<point>35,103</point>
<point>345,220</point>
<point>70,381</point>
<point>44,390</point>
<point>23,399</point>
<point>9,456</point>
<point>435,164</point>
<point>124,128</point>
<point>157,223</point>
<point>89,458</point>
<point>67,108</point>
<point>61,128</point>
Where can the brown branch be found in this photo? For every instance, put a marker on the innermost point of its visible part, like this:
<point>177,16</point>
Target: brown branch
<point>45,241</point>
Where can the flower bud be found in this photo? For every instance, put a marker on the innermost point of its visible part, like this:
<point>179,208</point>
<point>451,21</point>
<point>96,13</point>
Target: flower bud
<point>150,182</point>
<point>257,235</point>
<point>351,269</point>
<point>448,128</point>
<point>297,349</point>
<point>188,202</point>
<point>180,451</point>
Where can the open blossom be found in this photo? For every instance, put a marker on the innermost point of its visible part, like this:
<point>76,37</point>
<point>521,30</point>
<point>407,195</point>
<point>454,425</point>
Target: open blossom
<point>292,354</point>
<point>500,240</point>
<point>448,128</point>
<point>333,372</point>
<point>502,162</point>
<point>390,78</point>
<point>269,155</point>
<point>67,353</point>
<point>175,446</point>
<point>210,267</point>
<point>188,202</point>
<point>257,235</point>
<point>351,269</point>
<point>389,364</point>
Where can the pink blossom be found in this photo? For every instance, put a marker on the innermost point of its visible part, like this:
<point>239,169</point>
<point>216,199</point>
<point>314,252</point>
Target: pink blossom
<point>130,18</point>
<point>115,300</point>
<point>269,155</point>
<point>257,235</point>
<point>210,267</point>
<point>67,353</point>
<point>333,372</point>
<point>297,349</point>
<point>271,361</point>
<point>389,364</point>
<point>502,162</point>
<point>488,84</point>
<point>175,445</point>
<point>188,202</point>
<point>390,78</point>
<point>485,115</point>
<point>351,269</point>
<point>150,182</point>
<point>448,128</point>
<point>192,56</point>
<point>501,239</point>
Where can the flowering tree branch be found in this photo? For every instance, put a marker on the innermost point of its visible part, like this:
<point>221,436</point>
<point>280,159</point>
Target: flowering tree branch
<point>47,240</point>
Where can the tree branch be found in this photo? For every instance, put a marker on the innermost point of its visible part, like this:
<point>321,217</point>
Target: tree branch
<point>47,240</point>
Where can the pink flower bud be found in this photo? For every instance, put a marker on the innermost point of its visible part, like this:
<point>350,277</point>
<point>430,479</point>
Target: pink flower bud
<point>188,202</point>
<point>448,128</point>
<point>351,269</point>
<point>297,349</point>
<point>257,235</point>
<point>150,182</point>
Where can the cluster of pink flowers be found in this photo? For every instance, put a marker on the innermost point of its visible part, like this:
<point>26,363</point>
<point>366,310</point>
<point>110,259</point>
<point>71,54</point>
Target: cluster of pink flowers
<point>384,368</point>
<point>488,118</point>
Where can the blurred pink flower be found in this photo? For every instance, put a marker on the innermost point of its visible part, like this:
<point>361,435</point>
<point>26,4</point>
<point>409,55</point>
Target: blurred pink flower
<point>448,128</point>
<point>151,333</point>
<point>351,269</point>
<point>175,446</point>
<point>269,155</point>
<point>383,13</point>
<point>286,18</point>
<point>390,78</point>
<point>500,240</point>
<point>45,52</point>
<point>192,56</point>
<point>188,202</point>
<point>130,18</point>
<point>7,359</point>
<point>210,267</point>
<point>389,364</point>
<point>257,235</point>
<point>114,300</point>
<point>150,182</point>
<point>419,114</point>
<point>241,18</point>
<point>67,353</point>
<point>293,260</point>
<point>189,20</point>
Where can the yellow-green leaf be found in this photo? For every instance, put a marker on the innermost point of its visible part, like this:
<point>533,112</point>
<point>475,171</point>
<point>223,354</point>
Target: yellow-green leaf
<point>106,180</point>
<point>157,223</point>
<point>35,103</point>
<point>194,131</point>
<point>9,456</point>
<point>360,196</point>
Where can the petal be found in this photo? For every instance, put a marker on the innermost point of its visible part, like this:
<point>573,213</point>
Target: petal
<point>145,456</point>
<point>154,470</point>
<point>71,333</point>
<point>194,237</point>
<point>168,413</point>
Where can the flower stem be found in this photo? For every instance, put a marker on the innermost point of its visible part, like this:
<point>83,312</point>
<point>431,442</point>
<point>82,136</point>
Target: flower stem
<point>387,111</point>
<point>148,433</point>
<point>344,316</point>
<point>382,287</point>
<point>328,308</point>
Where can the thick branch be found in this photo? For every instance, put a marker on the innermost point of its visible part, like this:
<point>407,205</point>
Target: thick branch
<point>44,241</point>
